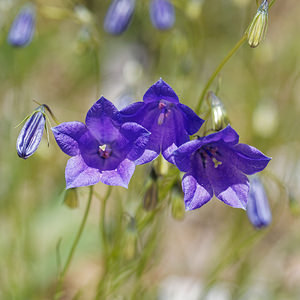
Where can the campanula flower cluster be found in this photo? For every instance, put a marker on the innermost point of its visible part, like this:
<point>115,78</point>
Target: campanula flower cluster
<point>120,12</point>
<point>111,143</point>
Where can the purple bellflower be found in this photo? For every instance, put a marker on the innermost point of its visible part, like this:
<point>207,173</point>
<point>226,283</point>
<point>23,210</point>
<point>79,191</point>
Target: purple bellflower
<point>258,209</point>
<point>31,134</point>
<point>162,14</point>
<point>217,164</point>
<point>22,29</point>
<point>118,16</point>
<point>169,121</point>
<point>104,149</point>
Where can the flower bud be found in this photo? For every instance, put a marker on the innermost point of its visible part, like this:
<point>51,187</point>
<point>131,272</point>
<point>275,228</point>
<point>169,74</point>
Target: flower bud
<point>162,14</point>
<point>257,30</point>
<point>177,207</point>
<point>258,209</point>
<point>31,133</point>
<point>118,16</point>
<point>218,113</point>
<point>22,29</point>
<point>71,198</point>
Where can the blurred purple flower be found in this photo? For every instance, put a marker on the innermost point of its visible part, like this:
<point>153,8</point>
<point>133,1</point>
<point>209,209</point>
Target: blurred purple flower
<point>105,149</point>
<point>258,209</point>
<point>118,16</point>
<point>162,14</point>
<point>31,134</point>
<point>169,121</point>
<point>22,29</point>
<point>217,164</point>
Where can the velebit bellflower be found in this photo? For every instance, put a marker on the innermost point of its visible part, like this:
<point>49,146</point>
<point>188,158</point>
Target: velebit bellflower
<point>217,164</point>
<point>22,29</point>
<point>257,30</point>
<point>258,209</point>
<point>104,149</point>
<point>31,133</point>
<point>169,121</point>
<point>162,14</point>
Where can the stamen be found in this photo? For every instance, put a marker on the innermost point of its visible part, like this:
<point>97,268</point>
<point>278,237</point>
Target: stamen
<point>104,151</point>
<point>216,162</point>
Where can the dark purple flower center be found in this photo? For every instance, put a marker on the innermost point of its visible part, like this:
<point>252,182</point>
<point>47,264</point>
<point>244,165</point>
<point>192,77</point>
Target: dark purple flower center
<point>165,110</point>
<point>209,152</point>
<point>105,151</point>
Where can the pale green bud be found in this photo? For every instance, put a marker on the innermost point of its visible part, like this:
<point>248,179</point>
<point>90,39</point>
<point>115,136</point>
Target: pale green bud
<point>177,207</point>
<point>71,198</point>
<point>257,30</point>
<point>218,113</point>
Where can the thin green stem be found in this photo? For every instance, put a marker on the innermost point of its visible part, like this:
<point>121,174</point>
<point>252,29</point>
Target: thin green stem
<point>217,71</point>
<point>271,3</point>
<point>221,65</point>
<point>75,243</point>
<point>102,221</point>
<point>102,229</point>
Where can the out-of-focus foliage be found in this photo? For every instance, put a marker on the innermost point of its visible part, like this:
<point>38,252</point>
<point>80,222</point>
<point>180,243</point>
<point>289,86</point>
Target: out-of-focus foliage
<point>69,64</point>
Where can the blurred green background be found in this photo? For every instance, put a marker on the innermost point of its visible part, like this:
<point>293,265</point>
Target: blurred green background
<point>214,253</point>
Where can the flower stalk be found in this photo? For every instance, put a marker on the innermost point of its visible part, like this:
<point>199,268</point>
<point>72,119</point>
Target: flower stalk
<point>74,246</point>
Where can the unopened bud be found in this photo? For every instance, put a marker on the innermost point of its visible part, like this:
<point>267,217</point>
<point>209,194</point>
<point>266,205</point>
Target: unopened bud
<point>218,113</point>
<point>177,207</point>
<point>151,196</point>
<point>31,134</point>
<point>71,198</point>
<point>258,209</point>
<point>118,16</point>
<point>162,14</point>
<point>257,30</point>
<point>22,29</point>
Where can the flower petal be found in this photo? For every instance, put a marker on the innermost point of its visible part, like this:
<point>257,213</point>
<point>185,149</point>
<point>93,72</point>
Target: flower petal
<point>183,154</point>
<point>138,138</point>
<point>102,121</point>
<point>160,90</point>
<point>67,136</point>
<point>121,176</point>
<point>227,135</point>
<point>192,122</point>
<point>147,156</point>
<point>196,186</point>
<point>172,133</point>
<point>78,174</point>
<point>229,184</point>
<point>249,159</point>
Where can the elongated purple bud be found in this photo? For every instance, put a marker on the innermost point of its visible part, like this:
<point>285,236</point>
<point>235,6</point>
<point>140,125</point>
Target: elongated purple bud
<point>162,14</point>
<point>31,133</point>
<point>258,209</point>
<point>118,16</point>
<point>22,29</point>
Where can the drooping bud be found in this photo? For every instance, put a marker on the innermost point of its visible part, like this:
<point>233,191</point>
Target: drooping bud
<point>118,16</point>
<point>162,14</point>
<point>258,209</point>
<point>218,113</point>
<point>151,195</point>
<point>258,28</point>
<point>31,134</point>
<point>22,29</point>
<point>71,198</point>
